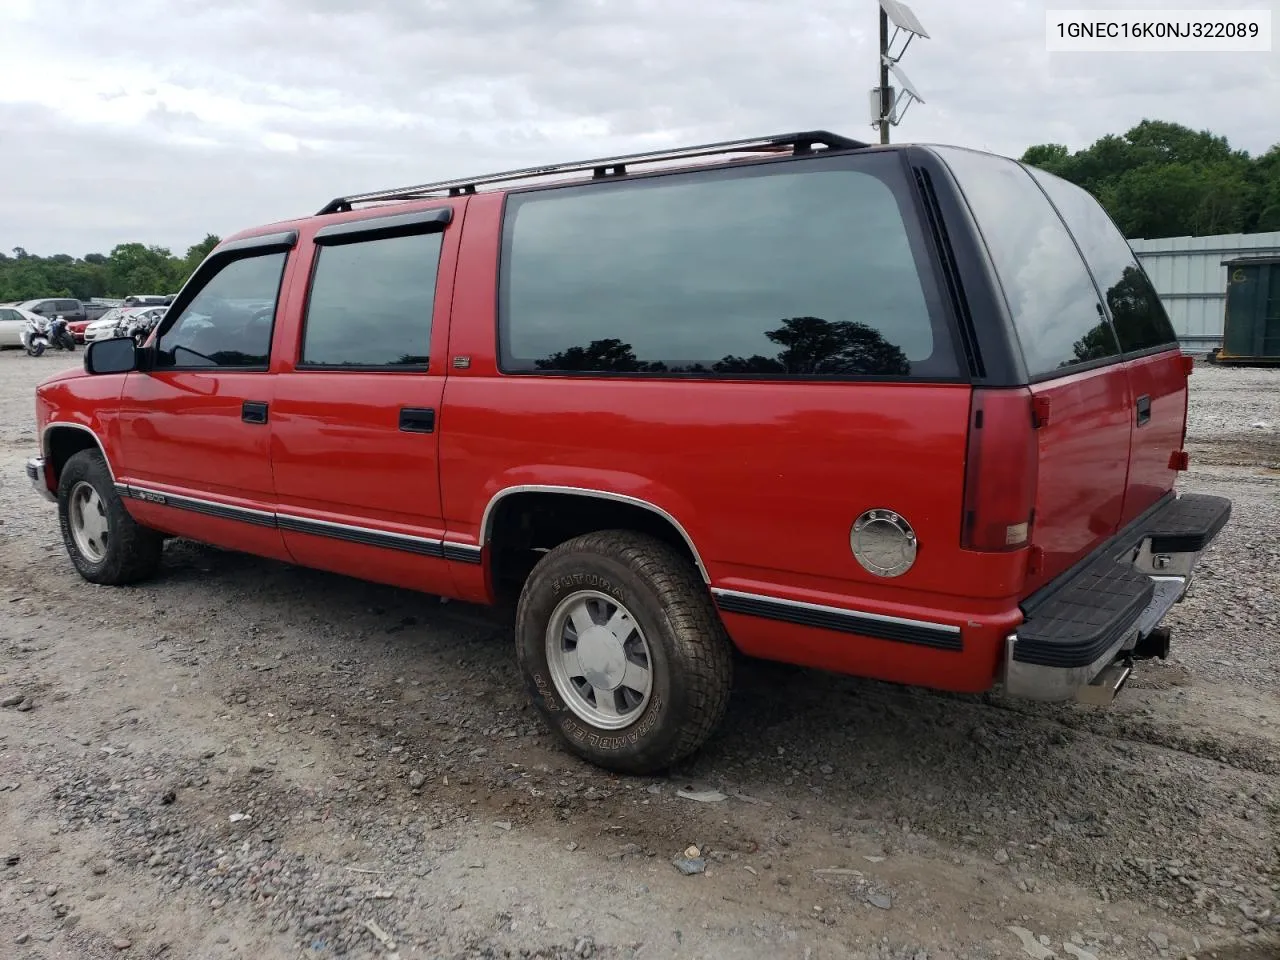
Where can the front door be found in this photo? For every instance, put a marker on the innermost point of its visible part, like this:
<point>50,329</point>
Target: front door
<point>195,429</point>
<point>356,411</point>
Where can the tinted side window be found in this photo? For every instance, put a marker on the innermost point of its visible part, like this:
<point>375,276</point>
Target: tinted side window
<point>229,322</point>
<point>68,306</point>
<point>371,303</point>
<point>801,269</point>
<point>1051,296</point>
<point>1136,311</point>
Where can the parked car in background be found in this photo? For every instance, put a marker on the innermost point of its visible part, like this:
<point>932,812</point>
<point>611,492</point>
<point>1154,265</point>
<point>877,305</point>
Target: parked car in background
<point>70,310</point>
<point>78,327</point>
<point>104,327</point>
<point>147,300</point>
<point>12,321</point>
<point>123,322</point>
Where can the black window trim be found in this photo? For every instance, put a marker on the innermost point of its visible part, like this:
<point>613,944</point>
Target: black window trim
<point>1103,308</point>
<point>1155,349</point>
<point>365,229</point>
<point>433,220</point>
<point>1125,354</point>
<point>1057,373</point>
<point>221,257</point>
<point>941,310</point>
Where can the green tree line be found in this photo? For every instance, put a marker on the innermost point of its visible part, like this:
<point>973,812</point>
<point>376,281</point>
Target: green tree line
<point>129,268</point>
<point>1157,180</point>
<point>1166,180</point>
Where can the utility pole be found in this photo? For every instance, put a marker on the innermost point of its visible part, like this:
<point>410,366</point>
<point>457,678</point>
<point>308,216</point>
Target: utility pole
<point>889,104</point>
<point>886,95</point>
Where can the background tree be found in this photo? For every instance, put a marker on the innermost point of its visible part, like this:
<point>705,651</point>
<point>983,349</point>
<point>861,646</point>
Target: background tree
<point>1162,179</point>
<point>129,268</point>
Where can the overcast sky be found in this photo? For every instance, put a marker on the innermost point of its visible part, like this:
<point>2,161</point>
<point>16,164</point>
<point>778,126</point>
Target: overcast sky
<point>162,120</point>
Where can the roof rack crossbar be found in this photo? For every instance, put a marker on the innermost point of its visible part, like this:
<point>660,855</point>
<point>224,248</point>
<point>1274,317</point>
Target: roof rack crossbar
<point>797,143</point>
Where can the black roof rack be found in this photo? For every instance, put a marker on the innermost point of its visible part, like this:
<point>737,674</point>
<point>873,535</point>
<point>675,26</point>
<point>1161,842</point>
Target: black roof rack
<point>797,143</point>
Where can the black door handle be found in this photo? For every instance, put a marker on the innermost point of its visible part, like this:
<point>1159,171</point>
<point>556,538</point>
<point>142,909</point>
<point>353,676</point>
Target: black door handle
<point>253,411</point>
<point>417,419</point>
<point>1144,409</point>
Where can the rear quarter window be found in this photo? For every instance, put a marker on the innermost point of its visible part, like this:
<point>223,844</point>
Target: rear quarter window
<point>1136,311</point>
<point>1054,305</point>
<point>802,269</point>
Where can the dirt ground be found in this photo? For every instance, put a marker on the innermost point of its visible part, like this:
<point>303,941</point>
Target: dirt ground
<point>246,759</point>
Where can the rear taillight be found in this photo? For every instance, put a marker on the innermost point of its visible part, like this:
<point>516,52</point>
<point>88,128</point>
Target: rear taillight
<point>1001,469</point>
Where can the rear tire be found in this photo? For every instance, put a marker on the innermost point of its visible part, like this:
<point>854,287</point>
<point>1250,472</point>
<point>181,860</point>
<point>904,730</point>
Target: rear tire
<point>105,543</point>
<point>623,651</point>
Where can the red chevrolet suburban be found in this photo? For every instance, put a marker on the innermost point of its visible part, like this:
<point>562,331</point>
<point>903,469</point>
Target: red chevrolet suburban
<point>906,412</point>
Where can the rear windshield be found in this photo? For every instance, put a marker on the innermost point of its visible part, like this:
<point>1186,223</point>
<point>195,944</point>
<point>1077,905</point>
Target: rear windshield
<point>1054,305</point>
<point>1139,317</point>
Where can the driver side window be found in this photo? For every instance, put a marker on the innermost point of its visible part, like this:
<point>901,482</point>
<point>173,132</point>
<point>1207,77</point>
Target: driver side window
<point>229,322</point>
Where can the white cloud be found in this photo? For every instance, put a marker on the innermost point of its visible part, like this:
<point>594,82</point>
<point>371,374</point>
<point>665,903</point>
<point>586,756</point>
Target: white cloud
<point>178,117</point>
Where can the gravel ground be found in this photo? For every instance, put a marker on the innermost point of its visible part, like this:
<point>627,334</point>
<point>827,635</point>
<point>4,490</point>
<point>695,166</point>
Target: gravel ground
<point>244,758</point>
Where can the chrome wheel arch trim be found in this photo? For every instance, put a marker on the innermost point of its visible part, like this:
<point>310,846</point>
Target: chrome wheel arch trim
<point>56,424</point>
<point>487,518</point>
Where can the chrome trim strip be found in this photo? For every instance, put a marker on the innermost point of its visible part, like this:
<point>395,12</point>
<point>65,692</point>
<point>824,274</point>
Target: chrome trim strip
<point>367,536</point>
<point>487,517</point>
<point>941,636</point>
<point>944,627</point>
<point>210,508</point>
<point>44,440</point>
<point>425,546</point>
<point>463,552</point>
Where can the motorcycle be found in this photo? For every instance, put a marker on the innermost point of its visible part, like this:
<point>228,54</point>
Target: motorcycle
<point>35,336</point>
<point>60,336</point>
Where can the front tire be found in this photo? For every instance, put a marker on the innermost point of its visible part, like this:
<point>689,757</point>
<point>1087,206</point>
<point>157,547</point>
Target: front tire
<point>105,543</point>
<point>622,650</point>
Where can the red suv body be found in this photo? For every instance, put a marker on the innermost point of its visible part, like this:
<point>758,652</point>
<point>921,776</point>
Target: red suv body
<point>912,413</point>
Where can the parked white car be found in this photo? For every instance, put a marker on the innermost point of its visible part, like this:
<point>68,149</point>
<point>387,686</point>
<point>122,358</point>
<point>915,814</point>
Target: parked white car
<point>11,322</point>
<point>112,323</point>
<point>104,328</point>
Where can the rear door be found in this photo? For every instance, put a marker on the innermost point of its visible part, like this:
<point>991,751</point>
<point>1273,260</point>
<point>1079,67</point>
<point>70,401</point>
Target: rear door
<point>1073,360</point>
<point>1154,363</point>
<point>356,411</point>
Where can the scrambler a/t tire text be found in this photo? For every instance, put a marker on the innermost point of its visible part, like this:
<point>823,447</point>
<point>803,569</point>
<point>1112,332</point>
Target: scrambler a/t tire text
<point>623,651</point>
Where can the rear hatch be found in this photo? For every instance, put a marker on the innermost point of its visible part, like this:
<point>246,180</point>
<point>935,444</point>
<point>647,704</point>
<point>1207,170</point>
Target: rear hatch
<point>1106,402</point>
<point>1156,369</point>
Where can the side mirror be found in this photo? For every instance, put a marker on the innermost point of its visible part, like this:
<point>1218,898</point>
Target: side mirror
<point>117,355</point>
